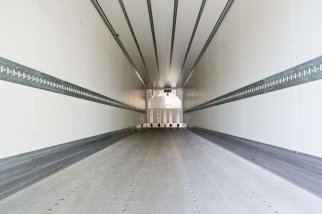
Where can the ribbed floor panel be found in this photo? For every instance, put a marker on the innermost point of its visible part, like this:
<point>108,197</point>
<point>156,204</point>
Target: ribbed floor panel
<point>163,171</point>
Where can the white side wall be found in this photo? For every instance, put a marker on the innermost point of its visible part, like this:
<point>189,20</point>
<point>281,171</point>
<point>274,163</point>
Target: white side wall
<point>66,39</point>
<point>259,38</point>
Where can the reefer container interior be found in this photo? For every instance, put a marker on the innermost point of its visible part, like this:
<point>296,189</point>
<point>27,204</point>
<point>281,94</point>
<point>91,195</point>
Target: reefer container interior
<point>161,106</point>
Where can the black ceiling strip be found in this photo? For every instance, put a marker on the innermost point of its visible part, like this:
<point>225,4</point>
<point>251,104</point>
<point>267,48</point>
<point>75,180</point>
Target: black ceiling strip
<point>134,37</point>
<point>193,35</point>
<point>153,34</point>
<point>174,23</point>
<point>212,34</point>
<point>115,35</point>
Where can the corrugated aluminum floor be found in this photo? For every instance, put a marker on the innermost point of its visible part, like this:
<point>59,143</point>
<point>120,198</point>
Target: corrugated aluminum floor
<point>163,171</point>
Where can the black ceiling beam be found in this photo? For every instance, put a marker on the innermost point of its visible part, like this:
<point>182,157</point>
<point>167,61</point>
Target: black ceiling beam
<point>212,34</point>
<point>153,35</point>
<point>134,37</point>
<point>174,23</point>
<point>192,36</point>
<point>115,35</point>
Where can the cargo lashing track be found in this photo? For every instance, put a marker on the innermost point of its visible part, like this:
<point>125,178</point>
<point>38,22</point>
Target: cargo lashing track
<point>14,72</point>
<point>301,74</point>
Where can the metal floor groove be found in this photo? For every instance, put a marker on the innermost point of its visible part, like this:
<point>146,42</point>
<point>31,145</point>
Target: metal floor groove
<point>168,171</point>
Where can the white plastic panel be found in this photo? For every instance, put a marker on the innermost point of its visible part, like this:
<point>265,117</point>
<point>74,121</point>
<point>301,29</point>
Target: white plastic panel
<point>162,14</point>
<point>268,45</point>
<point>210,15</point>
<point>138,14</point>
<point>115,15</point>
<point>310,117</point>
<point>68,40</point>
<point>307,33</point>
<point>258,39</point>
<point>186,18</point>
<point>187,12</point>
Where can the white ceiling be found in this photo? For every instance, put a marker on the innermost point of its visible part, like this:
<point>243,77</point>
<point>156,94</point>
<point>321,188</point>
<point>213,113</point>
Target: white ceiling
<point>162,17</point>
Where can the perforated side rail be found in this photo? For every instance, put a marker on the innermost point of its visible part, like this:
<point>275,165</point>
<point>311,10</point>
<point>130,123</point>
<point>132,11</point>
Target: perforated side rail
<point>13,72</point>
<point>304,73</point>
